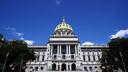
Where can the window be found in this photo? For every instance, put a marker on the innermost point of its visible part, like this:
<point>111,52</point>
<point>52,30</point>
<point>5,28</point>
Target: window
<point>88,57</point>
<point>94,58</point>
<point>98,57</point>
<point>84,57</point>
<point>90,68</point>
<point>95,66</point>
<point>54,49</point>
<point>37,57</point>
<point>54,56</point>
<point>72,49</point>
<point>63,49</point>
<point>31,67</point>
<point>42,57</point>
<point>36,68</point>
<point>85,68</point>
<point>68,67</point>
<point>41,68</point>
<point>63,56</point>
<point>72,56</point>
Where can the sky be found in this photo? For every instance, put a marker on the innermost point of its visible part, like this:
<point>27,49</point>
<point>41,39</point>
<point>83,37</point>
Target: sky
<point>94,21</point>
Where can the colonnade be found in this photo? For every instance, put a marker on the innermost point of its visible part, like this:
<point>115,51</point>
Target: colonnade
<point>92,56</point>
<point>59,49</point>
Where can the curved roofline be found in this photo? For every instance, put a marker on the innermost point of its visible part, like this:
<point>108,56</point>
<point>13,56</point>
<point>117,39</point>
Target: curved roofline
<point>63,25</point>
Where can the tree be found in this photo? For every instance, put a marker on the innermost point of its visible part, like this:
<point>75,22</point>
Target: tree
<point>117,55</point>
<point>2,40</point>
<point>17,54</point>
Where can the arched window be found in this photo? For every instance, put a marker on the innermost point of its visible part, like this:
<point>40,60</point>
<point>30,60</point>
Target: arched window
<point>36,68</point>
<point>90,68</point>
<point>95,66</point>
<point>85,68</point>
<point>63,67</point>
<point>73,67</point>
<point>54,67</point>
<point>41,68</point>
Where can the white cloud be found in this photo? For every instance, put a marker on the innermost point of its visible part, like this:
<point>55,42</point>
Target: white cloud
<point>120,34</point>
<point>10,28</point>
<point>58,2</point>
<point>21,38</point>
<point>88,43</point>
<point>29,42</point>
<point>14,31</point>
<point>19,34</point>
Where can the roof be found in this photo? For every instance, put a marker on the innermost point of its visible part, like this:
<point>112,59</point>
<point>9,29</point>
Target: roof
<point>63,25</point>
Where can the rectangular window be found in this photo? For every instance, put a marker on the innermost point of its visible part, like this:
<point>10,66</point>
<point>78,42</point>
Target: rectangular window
<point>88,57</point>
<point>72,49</point>
<point>84,57</point>
<point>98,57</point>
<point>42,57</point>
<point>54,49</point>
<point>94,57</point>
<point>63,49</point>
<point>38,57</point>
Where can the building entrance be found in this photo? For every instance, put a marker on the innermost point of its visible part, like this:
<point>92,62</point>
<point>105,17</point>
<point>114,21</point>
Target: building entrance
<point>73,67</point>
<point>63,67</point>
<point>54,67</point>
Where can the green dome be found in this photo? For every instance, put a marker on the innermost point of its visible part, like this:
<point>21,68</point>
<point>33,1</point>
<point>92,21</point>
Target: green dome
<point>63,25</point>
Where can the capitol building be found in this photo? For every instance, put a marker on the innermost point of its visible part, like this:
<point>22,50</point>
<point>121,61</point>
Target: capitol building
<point>64,52</point>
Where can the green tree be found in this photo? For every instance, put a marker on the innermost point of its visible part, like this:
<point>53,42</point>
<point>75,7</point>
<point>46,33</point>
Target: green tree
<point>117,55</point>
<point>17,54</point>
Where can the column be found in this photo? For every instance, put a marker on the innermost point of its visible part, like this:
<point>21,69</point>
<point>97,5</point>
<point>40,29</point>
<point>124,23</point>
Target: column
<point>91,56</point>
<point>70,68</point>
<point>67,67</point>
<point>56,66</point>
<point>51,49</point>
<point>86,56</point>
<point>40,57</point>
<point>96,56</point>
<point>60,66</point>
<point>68,49</point>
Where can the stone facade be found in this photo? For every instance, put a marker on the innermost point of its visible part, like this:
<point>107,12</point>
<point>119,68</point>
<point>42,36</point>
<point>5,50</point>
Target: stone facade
<point>64,52</point>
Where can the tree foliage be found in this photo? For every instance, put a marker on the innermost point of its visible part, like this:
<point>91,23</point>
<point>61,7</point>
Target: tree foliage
<point>116,55</point>
<point>17,54</point>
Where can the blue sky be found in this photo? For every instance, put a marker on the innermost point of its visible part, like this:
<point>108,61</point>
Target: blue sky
<point>92,20</point>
